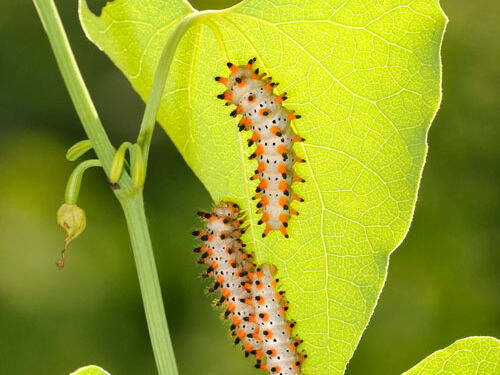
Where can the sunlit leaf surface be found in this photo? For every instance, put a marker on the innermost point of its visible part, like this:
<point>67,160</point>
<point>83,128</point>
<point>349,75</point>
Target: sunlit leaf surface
<point>90,370</point>
<point>365,76</point>
<point>473,355</point>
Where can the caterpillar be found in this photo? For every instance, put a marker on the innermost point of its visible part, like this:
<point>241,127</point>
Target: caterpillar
<point>263,113</point>
<point>257,311</point>
<point>270,308</point>
<point>230,267</point>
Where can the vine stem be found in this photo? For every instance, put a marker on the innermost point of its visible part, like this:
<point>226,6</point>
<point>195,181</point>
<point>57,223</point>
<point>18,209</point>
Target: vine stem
<point>153,103</point>
<point>131,199</point>
<point>150,285</point>
<point>74,81</point>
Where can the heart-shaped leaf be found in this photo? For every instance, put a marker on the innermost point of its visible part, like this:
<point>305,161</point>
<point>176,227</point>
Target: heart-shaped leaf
<point>365,76</point>
<point>473,355</point>
<point>90,370</point>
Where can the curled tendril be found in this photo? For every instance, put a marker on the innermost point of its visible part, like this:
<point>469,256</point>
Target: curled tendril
<point>137,165</point>
<point>78,149</point>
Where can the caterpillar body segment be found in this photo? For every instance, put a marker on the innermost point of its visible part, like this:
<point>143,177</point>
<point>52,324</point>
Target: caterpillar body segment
<point>229,266</point>
<point>263,113</point>
<point>278,345</point>
<point>253,304</point>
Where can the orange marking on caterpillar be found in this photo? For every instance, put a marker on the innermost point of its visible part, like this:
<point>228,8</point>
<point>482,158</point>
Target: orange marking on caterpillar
<point>250,63</point>
<point>248,347</point>
<point>260,300</point>
<point>268,334</point>
<point>281,168</point>
<point>264,317</point>
<point>272,353</point>
<point>242,84</point>
<point>283,231</point>
<point>275,130</point>
<point>264,112</point>
<point>263,184</point>
<point>281,149</point>
<point>255,136</point>
<point>267,229</point>
<point>222,80</point>
<point>298,179</point>
<point>262,167</point>
<point>296,138</point>
<point>265,217</point>
<point>282,202</point>
<point>226,293</point>
<point>275,369</point>
<point>281,98</point>
<point>282,186</point>
<point>259,354</point>
<point>234,69</point>
<point>259,274</point>
<point>297,198</point>
<point>263,202</point>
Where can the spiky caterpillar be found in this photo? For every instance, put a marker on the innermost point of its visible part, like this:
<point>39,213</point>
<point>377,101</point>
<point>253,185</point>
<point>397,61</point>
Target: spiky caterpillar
<point>229,265</point>
<point>257,310</point>
<point>262,112</point>
<point>279,348</point>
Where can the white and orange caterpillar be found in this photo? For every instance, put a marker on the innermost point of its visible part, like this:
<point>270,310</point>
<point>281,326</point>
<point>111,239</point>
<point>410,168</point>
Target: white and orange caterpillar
<point>263,113</point>
<point>279,347</point>
<point>230,266</point>
<point>256,308</point>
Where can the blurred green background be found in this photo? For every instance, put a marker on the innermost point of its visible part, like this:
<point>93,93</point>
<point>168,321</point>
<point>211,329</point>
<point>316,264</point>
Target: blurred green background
<point>443,283</point>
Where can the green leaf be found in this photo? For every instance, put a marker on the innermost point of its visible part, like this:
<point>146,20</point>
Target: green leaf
<point>90,370</point>
<point>365,76</point>
<point>472,355</point>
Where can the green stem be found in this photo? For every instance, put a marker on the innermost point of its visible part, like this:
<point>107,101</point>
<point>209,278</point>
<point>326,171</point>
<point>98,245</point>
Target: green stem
<point>76,86</point>
<point>153,103</point>
<point>75,179</point>
<point>150,285</point>
<point>131,199</point>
